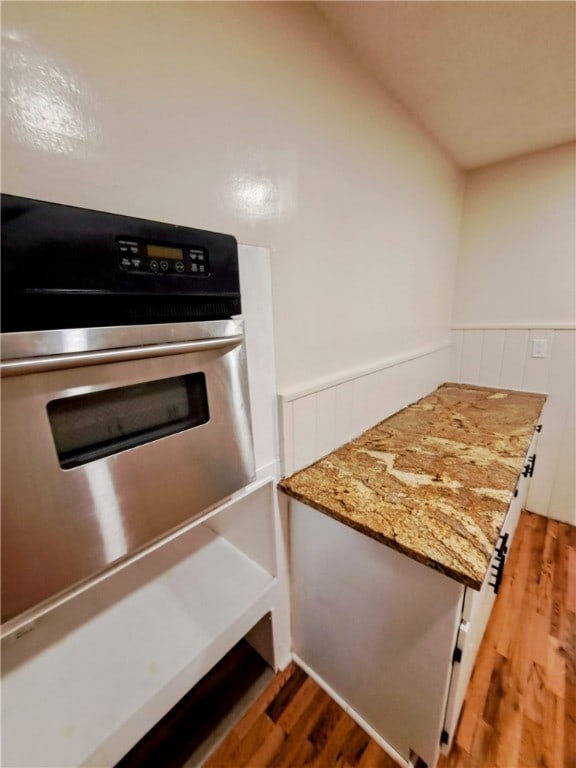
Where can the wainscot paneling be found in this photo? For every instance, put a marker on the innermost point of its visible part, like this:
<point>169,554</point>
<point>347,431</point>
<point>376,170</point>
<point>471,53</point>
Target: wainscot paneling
<point>502,357</point>
<point>324,415</point>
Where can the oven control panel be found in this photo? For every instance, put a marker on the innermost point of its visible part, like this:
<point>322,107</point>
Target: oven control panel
<point>159,259</point>
<point>67,267</point>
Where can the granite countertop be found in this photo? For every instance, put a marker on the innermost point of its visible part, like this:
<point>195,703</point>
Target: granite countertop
<point>434,480</point>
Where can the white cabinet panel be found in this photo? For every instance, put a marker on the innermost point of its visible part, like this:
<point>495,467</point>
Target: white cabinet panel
<point>525,478</point>
<point>255,280</point>
<point>378,627</point>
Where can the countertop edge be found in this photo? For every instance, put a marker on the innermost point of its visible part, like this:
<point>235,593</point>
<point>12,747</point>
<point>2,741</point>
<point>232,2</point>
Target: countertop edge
<point>392,543</point>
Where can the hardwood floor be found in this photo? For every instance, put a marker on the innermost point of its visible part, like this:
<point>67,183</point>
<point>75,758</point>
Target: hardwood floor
<point>520,710</point>
<point>295,723</point>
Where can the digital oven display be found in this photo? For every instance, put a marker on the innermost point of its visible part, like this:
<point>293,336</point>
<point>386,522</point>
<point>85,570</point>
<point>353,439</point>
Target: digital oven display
<point>164,252</point>
<point>160,259</point>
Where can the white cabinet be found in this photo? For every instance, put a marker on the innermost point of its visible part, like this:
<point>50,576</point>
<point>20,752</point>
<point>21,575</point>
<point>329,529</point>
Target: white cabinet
<point>377,628</point>
<point>393,640</point>
<point>97,673</point>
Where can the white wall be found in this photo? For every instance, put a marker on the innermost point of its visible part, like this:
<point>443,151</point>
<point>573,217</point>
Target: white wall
<point>516,282</point>
<point>248,118</point>
<point>517,260</point>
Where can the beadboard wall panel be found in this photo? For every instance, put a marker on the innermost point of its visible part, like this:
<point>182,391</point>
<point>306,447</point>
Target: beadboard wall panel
<point>513,358</point>
<point>492,356</point>
<point>502,357</point>
<point>323,417</point>
<point>471,356</point>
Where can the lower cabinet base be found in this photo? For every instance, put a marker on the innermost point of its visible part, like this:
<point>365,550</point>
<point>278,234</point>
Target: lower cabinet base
<point>190,730</point>
<point>376,629</point>
<point>92,676</point>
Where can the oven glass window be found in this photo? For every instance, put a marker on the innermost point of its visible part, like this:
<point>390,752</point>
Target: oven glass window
<point>99,424</point>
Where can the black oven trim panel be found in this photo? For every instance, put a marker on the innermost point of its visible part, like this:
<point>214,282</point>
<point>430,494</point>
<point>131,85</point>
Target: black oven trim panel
<point>69,267</point>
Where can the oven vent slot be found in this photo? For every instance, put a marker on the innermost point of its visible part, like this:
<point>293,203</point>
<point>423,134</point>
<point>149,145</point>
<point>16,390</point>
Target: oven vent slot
<point>215,308</point>
<point>45,311</point>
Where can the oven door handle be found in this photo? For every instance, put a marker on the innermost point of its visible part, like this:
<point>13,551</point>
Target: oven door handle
<point>77,360</point>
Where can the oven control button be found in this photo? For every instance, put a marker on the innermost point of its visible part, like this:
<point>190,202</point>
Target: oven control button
<point>128,245</point>
<point>164,266</point>
<point>179,266</point>
<point>154,266</point>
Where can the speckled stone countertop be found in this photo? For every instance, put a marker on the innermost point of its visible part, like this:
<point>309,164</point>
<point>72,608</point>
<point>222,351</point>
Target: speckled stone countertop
<point>434,480</point>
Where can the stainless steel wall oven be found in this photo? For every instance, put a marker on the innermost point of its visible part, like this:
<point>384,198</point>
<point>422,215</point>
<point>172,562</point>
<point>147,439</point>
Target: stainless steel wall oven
<point>125,408</point>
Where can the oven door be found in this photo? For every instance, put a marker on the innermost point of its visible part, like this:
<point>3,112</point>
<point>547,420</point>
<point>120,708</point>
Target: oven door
<point>113,443</point>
